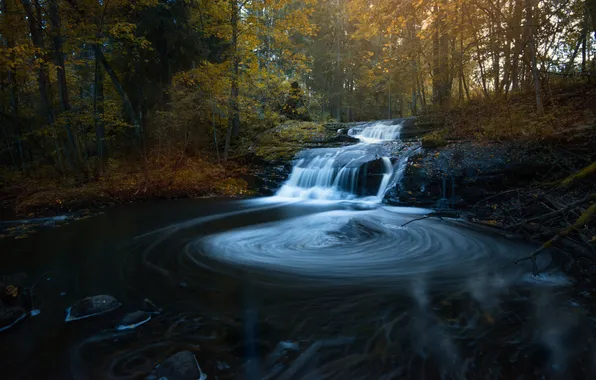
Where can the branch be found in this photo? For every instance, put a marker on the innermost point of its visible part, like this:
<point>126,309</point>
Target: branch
<point>549,215</point>
<point>439,214</point>
<point>584,219</point>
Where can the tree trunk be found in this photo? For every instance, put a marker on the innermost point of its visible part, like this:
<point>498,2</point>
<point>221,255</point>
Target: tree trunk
<point>234,113</point>
<point>98,110</point>
<point>34,18</point>
<point>13,89</point>
<point>165,69</point>
<point>518,43</point>
<point>584,38</point>
<point>436,51</point>
<point>61,74</point>
<point>441,71</point>
<point>59,56</point>
<point>414,66</point>
<point>338,83</point>
<point>128,108</point>
<point>12,81</point>
<point>497,48</point>
<point>532,51</point>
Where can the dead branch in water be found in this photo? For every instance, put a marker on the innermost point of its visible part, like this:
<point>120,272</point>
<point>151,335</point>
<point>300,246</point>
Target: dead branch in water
<point>583,220</point>
<point>438,214</point>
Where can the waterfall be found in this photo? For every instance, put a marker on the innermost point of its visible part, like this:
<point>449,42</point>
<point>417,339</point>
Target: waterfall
<point>377,131</point>
<point>361,171</point>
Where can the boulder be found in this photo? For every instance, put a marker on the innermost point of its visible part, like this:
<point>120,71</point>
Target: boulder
<point>134,320</point>
<point>91,307</point>
<point>180,366</point>
<point>10,316</point>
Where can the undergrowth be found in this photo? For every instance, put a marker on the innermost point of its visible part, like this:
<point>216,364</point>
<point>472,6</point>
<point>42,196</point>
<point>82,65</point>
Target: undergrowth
<point>569,111</point>
<point>42,192</point>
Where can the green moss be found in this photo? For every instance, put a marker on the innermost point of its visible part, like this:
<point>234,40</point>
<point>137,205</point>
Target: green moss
<point>284,142</point>
<point>434,140</point>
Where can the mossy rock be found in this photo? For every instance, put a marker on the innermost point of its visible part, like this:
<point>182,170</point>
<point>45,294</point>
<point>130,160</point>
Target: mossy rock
<point>283,142</point>
<point>434,140</point>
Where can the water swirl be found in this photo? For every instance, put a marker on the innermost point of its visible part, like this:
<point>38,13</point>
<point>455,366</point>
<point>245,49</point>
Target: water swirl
<point>366,247</point>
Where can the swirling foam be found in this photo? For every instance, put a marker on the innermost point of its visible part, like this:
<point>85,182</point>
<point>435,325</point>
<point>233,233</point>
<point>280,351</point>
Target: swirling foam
<point>366,246</point>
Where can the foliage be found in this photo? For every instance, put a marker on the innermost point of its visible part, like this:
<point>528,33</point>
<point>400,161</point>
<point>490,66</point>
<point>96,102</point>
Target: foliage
<point>126,181</point>
<point>152,82</point>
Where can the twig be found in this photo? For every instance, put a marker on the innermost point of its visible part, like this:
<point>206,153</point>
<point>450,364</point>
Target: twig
<point>438,214</point>
<point>414,220</point>
<point>532,256</point>
<point>495,196</point>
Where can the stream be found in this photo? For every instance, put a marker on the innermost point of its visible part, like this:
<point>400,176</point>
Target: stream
<point>321,281</point>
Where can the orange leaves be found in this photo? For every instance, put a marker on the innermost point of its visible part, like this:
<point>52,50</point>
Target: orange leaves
<point>12,291</point>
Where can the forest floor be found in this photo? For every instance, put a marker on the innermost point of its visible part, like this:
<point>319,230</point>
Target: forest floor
<point>41,194</point>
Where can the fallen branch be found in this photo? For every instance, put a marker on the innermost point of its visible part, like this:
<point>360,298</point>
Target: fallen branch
<point>585,172</point>
<point>550,215</point>
<point>584,219</point>
<point>440,215</point>
<point>414,220</point>
<point>579,175</point>
<point>495,196</point>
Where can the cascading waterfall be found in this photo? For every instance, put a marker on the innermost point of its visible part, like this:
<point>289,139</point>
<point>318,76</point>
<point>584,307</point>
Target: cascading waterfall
<point>377,131</point>
<point>364,170</point>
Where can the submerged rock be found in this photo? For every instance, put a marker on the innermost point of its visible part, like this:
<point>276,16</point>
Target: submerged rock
<point>134,320</point>
<point>10,316</point>
<point>91,306</point>
<point>180,366</point>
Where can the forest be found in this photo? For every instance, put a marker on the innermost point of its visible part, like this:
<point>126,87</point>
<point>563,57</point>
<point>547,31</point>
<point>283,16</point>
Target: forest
<point>97,89</point>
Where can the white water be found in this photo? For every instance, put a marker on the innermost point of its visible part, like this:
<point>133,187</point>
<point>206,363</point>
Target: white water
<point>377,132</point>
<point>363,171</point>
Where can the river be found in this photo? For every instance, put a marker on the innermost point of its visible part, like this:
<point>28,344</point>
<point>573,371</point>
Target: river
<point>321,281</point>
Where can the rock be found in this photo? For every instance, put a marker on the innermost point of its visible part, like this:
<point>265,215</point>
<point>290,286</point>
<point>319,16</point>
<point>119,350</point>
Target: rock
<point>222,366</point>
<point>91,307</point>
<point>134,320</point>
<point>10,316</point>
<point>180,366</point>
<point>343,138</point>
